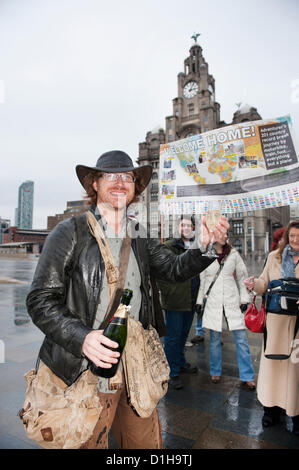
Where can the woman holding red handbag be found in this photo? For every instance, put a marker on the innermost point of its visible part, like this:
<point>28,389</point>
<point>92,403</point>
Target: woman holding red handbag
<point>278,380</point>
<point>223,297</point>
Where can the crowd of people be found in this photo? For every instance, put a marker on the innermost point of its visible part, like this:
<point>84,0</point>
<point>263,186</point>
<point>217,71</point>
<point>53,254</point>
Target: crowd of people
<point>223,296</point>
<point>69,296</point>
<point>68,301</point>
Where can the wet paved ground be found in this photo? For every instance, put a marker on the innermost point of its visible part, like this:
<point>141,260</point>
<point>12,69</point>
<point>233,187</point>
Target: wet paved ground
<point>202,415</point>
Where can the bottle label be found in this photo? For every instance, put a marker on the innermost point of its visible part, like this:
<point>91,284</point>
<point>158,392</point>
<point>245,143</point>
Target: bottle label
<point>118,321</point>
<point>121,312</point>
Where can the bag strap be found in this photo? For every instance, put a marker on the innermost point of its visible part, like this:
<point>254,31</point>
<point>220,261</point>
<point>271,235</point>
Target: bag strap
<point>112,272</point>
<point>115,276</point>
<point>280,356</point>
<point>212,283</point>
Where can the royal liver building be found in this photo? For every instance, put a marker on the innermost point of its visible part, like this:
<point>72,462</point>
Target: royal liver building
<point>195,111</point>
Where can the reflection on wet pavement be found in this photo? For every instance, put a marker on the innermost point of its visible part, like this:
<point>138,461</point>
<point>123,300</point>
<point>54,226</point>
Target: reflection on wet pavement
<point>16,276</point>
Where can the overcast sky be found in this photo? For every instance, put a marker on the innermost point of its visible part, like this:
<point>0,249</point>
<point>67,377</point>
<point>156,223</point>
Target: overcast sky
<point>81,77</point>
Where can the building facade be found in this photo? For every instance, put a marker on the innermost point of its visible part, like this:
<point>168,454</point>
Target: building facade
<point>72,208</point>
<point>4,225</point>
<point>24,212</point>
<point>294,212</point>
<point>16,240</point>
<point>195,110</point>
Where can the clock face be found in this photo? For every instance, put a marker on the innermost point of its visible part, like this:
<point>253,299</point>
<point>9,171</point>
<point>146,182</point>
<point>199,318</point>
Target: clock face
<point>190,89</point>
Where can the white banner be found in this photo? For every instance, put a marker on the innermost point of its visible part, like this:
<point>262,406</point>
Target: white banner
<point>248,166</point>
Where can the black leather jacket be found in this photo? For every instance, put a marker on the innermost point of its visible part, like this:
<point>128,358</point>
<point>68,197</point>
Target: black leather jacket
<point>64,294</point>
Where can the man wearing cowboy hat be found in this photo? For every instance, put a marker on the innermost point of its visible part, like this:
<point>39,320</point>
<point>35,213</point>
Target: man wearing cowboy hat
<point>69,294</point>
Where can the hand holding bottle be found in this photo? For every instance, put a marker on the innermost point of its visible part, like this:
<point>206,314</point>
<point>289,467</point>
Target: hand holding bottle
<point>96,347</point>
<point>115,333</point>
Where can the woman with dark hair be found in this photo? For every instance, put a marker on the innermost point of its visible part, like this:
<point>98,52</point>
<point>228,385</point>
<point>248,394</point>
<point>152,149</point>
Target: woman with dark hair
<point>278,380</point>
<point>227,299</point>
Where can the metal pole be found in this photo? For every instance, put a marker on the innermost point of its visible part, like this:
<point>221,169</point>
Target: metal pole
<point>252,239</point>
<point>245,240</point>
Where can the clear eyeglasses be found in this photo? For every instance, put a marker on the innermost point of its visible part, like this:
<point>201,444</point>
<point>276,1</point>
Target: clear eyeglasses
<point>125,177</point>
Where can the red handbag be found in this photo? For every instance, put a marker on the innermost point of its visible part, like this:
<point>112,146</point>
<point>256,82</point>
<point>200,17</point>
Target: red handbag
<point>255,319</point>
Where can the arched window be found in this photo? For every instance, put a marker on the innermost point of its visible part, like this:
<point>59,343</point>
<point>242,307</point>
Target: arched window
<point>155,143</point>
<point>191,109</point>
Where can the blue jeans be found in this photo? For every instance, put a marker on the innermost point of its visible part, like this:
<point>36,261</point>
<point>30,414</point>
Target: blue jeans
<point>199,330</point>
<point>178,325</point>
<point>246,372</point>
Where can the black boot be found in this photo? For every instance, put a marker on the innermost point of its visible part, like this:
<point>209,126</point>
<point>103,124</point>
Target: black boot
<point>295,420</point>
<point>271,416</point>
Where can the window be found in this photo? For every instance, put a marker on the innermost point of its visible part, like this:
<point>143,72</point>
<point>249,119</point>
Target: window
<point>191,109</point>
<point>237,228</point>
<point>238,245</point>
<point>155,143</point>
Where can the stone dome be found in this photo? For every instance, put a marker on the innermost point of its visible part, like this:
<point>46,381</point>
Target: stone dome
<point>156,130</point>
<point>245,108</point>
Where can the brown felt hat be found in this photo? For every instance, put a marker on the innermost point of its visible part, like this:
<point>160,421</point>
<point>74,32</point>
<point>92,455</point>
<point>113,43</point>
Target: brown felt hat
<point>116,161</point>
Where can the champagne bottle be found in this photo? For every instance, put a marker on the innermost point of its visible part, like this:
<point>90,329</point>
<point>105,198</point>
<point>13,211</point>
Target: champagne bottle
<point>117,331</point>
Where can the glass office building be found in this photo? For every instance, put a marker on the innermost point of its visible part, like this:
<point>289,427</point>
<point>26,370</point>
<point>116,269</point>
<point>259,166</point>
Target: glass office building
<point>24,212</point>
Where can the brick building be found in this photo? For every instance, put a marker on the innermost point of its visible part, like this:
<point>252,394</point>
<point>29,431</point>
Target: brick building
<point>72,208</point>
<point>29,241</point>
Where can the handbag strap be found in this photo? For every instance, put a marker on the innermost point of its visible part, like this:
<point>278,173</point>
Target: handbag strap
<point>212,283</point>
<point>115,276</point>
<point>280,356</point>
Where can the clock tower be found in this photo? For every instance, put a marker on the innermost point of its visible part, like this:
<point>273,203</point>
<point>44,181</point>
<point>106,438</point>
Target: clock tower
<point>194,110</point>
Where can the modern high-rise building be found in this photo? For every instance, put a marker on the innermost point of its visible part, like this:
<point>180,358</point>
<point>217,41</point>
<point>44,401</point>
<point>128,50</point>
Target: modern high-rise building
<point>24,212</point>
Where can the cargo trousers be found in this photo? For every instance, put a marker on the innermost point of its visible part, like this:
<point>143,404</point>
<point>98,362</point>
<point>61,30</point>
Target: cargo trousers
<point>130,430</point>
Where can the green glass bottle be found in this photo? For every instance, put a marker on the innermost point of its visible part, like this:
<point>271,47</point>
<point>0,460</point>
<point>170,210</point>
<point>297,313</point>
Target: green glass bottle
<point>117,331</point>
